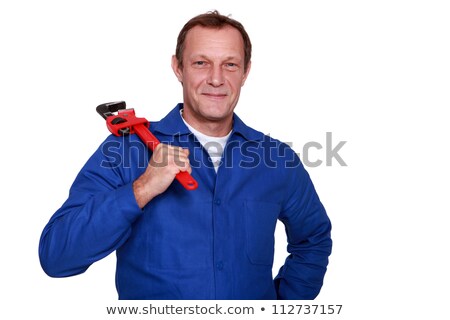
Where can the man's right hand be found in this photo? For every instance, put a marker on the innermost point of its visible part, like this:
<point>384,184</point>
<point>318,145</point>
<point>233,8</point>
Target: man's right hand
<point>166,162</point>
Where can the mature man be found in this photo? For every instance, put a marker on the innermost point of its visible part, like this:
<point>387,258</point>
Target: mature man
<point>216,242</point>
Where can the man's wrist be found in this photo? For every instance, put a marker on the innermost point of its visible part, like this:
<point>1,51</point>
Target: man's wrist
<point>141,194</point>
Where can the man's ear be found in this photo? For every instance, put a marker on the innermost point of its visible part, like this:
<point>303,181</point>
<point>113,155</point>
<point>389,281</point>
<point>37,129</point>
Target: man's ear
<point>176,69</point>
<point>244,77</point>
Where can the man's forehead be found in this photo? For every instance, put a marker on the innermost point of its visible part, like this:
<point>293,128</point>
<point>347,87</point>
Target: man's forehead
<point>226,38</point>
<point>226,31</point>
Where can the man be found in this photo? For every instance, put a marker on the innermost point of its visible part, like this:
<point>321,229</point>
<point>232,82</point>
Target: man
<point>216,242</point>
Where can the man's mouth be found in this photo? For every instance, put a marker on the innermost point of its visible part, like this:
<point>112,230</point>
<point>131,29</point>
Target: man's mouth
<point>214,94</point>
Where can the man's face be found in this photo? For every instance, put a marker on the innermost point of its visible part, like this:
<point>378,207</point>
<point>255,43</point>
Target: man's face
<point>212,74</point>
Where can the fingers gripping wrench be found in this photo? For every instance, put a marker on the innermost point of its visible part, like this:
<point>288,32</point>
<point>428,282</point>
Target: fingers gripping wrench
<point>125,122</point>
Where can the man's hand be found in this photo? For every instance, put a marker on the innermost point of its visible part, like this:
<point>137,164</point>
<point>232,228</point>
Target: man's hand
<point>166,162</point>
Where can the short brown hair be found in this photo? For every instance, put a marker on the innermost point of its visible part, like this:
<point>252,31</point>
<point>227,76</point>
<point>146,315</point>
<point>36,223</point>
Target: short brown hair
<point>213,19</point>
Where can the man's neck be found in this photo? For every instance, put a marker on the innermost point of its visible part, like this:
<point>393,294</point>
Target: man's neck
<point>210,128</point>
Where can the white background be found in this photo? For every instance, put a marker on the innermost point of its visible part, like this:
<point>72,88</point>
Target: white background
<point>374,73</point>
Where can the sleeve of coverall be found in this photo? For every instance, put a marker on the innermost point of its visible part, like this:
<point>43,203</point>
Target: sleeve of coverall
<point>95,219</point>
<point>308,231</point>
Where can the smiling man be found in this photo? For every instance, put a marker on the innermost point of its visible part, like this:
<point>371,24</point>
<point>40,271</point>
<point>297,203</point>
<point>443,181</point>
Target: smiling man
<point>216,242</point>
<point>212,70</point>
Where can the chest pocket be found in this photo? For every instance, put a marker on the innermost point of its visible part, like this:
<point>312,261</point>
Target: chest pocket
<point>260,221</point>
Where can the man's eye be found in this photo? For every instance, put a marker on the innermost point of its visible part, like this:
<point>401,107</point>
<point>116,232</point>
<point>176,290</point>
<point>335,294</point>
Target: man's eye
<point>231,66</point>
<point>199,63</point>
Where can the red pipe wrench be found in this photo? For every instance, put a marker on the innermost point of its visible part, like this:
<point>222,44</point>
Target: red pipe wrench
<point>125,122</point>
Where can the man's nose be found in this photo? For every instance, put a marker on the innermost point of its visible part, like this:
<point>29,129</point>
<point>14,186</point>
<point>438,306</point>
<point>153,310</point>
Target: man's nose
<point>216,76</point>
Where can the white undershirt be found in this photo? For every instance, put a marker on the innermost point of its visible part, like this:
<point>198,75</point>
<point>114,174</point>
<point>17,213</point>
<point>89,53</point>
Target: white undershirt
<point>213,145</point>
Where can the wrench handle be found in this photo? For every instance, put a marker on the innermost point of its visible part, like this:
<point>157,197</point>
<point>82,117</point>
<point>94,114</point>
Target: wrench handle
<point>151,141</point>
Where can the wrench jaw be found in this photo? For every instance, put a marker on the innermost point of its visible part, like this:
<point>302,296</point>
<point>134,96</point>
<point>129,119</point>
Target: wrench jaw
<point>119,120</point>
<point>108,109</point>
